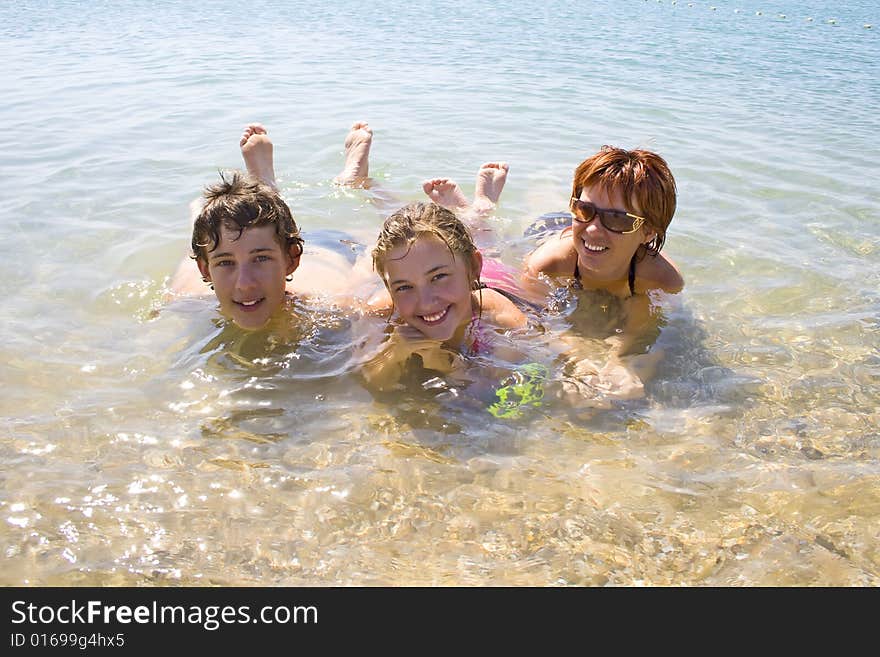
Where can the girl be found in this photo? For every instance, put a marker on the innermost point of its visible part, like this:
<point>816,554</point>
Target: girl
<point>431,269</point>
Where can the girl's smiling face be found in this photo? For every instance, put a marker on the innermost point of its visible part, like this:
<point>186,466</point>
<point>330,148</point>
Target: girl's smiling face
<point>431,286</point>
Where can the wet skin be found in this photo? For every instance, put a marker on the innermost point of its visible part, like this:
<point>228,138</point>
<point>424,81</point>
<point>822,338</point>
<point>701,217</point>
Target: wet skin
<point>248,274</point>
<point>602,254</point>
<point>431,287</point>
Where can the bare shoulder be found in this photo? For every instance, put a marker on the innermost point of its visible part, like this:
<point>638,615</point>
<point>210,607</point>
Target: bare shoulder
<point>500,310</point>
<point>659,273</point>
<point>555,257</point>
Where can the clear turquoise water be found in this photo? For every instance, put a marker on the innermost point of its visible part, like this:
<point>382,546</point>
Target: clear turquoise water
<point>141,450</point>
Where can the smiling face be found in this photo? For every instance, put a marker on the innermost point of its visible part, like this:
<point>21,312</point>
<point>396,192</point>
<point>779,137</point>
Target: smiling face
<point>431,287</point>
<point>248,274</point>
<point>604,256</point>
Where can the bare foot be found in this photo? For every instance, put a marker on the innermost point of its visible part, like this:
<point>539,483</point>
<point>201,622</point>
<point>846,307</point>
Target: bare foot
<point>256,149</point>
<point>490,181</point>
<point>447,193</point>
<point>357,156</point>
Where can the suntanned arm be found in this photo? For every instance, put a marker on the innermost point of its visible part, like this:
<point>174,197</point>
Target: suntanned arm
<point>621,371</point>
<point>382,358</point>
<point>556,257</point>
<point>382,375</point>
<point>640,327</point>
<point>630,362</point>
<point>385,369</point>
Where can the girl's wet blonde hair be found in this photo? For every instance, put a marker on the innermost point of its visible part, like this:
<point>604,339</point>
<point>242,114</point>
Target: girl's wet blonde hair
<point>417,220</point>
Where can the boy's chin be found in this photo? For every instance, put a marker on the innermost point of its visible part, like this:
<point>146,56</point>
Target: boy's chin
<point>248,323</point>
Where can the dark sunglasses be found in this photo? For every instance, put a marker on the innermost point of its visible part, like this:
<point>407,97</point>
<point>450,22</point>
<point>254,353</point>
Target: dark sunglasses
<point>617,221</point>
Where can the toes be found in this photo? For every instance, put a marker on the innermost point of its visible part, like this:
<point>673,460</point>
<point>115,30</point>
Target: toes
<point>361,125</point>
<point>255,129</point>
<point>437,186</point>
<point>360,133</point>
<point>251,130</point>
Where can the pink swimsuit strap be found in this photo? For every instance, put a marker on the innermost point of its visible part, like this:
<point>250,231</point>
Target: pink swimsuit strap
<point>481,343</point>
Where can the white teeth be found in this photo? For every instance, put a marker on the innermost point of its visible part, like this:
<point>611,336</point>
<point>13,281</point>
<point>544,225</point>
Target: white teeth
<point>435,317</point>
<point>596,249</point>
<point>250,303</point>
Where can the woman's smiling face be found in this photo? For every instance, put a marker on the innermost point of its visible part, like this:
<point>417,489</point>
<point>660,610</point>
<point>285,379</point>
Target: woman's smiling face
<point>602,254</point>
<point>431,286</point>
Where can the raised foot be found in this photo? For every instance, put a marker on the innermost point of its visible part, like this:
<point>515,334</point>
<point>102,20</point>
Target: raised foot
<point>491,178</point>
<point>447,193</point>
<point>256,149</point>
<point>355,172</point>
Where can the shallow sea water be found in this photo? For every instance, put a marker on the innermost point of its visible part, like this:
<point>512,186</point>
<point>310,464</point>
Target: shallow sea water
<point>164,449</point>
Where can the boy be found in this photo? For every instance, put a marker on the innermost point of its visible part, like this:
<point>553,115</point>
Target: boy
<point>246,245</point>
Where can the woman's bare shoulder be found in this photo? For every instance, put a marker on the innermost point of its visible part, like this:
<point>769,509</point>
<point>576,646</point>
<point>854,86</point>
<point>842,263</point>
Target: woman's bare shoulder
<point>659,273</point>
<point>555,257</point>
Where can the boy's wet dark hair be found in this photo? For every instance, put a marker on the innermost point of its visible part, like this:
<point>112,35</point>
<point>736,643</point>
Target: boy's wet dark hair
<point>239,202</point>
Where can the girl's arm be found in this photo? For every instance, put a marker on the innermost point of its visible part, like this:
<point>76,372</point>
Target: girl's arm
<point>382,358</point>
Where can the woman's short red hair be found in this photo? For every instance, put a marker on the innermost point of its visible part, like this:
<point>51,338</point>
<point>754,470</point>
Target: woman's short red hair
<point>643,180</point>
